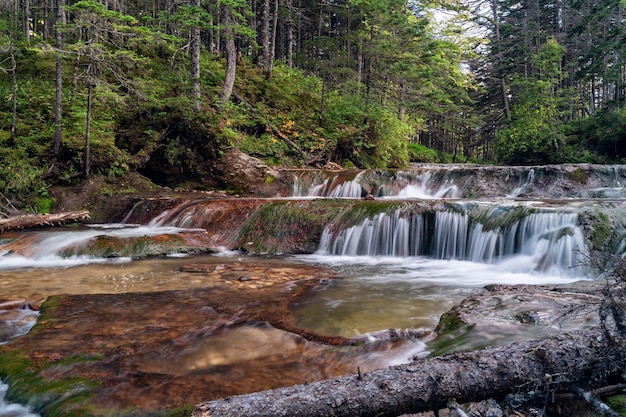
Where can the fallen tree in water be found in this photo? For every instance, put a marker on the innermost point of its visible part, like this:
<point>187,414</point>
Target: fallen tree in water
<point>35,220</point>
<point>583,359</point>
<point>573,363</point>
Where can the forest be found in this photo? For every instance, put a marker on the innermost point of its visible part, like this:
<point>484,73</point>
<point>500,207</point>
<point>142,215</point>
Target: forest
<point>163,87</point>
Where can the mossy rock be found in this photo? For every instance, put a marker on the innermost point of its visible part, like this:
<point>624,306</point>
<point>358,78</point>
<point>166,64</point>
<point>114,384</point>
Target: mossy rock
<point>579,176</point>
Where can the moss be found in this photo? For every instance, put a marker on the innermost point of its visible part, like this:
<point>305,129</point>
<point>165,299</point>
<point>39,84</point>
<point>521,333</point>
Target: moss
<point>579,176</point>
<point>135,247</point>
<point>366,209</point>
<point>449,322</point>
<point>51,397</point>
<point>288,226</point>
<point>617,403</point>
<point>452,341</point>
<point>499,217</point>
<point>601,231</point>
<point>526,317</point>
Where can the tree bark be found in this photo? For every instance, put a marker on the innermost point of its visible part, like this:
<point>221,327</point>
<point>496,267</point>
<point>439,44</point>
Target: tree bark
<point>290,36</point>
<point>270,65</point>
<point>195,63</point>
<point>26,6</point>
<point>35,220</point>
<point>545,365</point>
<point>86,148</point>
<point>231,56</point>
<point>264,57</point>
<point>14,98</point>
<point>58,112</point>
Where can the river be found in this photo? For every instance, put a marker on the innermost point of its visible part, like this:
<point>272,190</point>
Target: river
<point>396,271</point>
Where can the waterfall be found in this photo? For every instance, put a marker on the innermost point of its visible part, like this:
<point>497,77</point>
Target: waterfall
<point>550,241</point>
<point>527,185</point>
<point>338,187</point>
<point>8,409</point>
<point>462,181</point>
<point>424,185</point>
<point>386,235</point>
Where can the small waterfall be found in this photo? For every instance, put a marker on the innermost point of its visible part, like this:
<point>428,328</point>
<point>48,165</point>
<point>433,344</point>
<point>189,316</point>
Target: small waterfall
<point>424,181</point>
<point>8,409</point>
<point>385,235</point>
<point>550,242</point>
<point>16,319</point>
<point>424,185</point>
<point>338,187</point>
<point>65,248</point>
<point>404,184</point>
<point>527,185</point>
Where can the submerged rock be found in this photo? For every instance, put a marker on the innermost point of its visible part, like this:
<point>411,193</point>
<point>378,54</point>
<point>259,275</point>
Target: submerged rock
<point>110,353</point>
<point>503,314</point>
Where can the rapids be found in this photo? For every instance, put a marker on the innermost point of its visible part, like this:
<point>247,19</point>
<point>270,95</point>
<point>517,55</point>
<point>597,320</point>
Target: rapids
<point>431,237</point>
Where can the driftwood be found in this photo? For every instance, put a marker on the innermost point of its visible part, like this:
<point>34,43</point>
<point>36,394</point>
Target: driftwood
<point>548,365</point>
<point>34,220</point>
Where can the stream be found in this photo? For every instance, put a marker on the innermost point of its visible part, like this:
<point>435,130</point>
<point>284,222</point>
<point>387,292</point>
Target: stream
<point>395,272</point>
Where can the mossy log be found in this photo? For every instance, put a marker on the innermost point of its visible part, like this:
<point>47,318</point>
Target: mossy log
<point>35,220</point>
<point>569,360</point>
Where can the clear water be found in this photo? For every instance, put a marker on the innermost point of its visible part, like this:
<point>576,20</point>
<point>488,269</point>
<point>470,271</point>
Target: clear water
<point>398,293</point>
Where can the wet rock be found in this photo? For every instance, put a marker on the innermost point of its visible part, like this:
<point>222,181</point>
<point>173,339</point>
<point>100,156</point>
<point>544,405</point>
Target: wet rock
<point>504,314</point>
<point>161,350</point>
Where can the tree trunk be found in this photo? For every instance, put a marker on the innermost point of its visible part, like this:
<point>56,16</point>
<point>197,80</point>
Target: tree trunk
<point>290,37</point>
<point>231,56</point>
<point>269,66</point>
<point>195,63</point>
<point>58,111</point>
<point>265,57</point>
<point>565,361</point>
<point>26,21</point>
<point>503,87</point>
<point>86,150</point>
<point>14,99</point>
<point>35,220</point>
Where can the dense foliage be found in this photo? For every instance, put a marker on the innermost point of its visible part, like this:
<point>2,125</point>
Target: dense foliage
<point>163,87</point>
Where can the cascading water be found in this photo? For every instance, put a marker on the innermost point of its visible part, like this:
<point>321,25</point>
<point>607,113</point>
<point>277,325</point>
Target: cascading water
<point>8,409</point>
<point>526,185</point>
<point>463,181</point>
<point>425,185</point>
<point>400,268</point>
<point>551,241</point>
<point>62,248</point>
<point>337,188</point>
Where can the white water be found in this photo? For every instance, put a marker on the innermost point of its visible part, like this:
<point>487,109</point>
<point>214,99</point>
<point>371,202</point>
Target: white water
<point>405,185</point>
<point>547,242</point>
<point>16,322</point>
<point>337,189</point>
<point>44,250</point>
<point>384,292</point>
<point>422,185</point>
<point>526,185</point>
<point>454,181</point>
<point>8,409</point>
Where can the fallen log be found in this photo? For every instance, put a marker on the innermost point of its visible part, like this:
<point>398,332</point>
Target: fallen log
<point>35,220</point>
<point>569,360</point>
